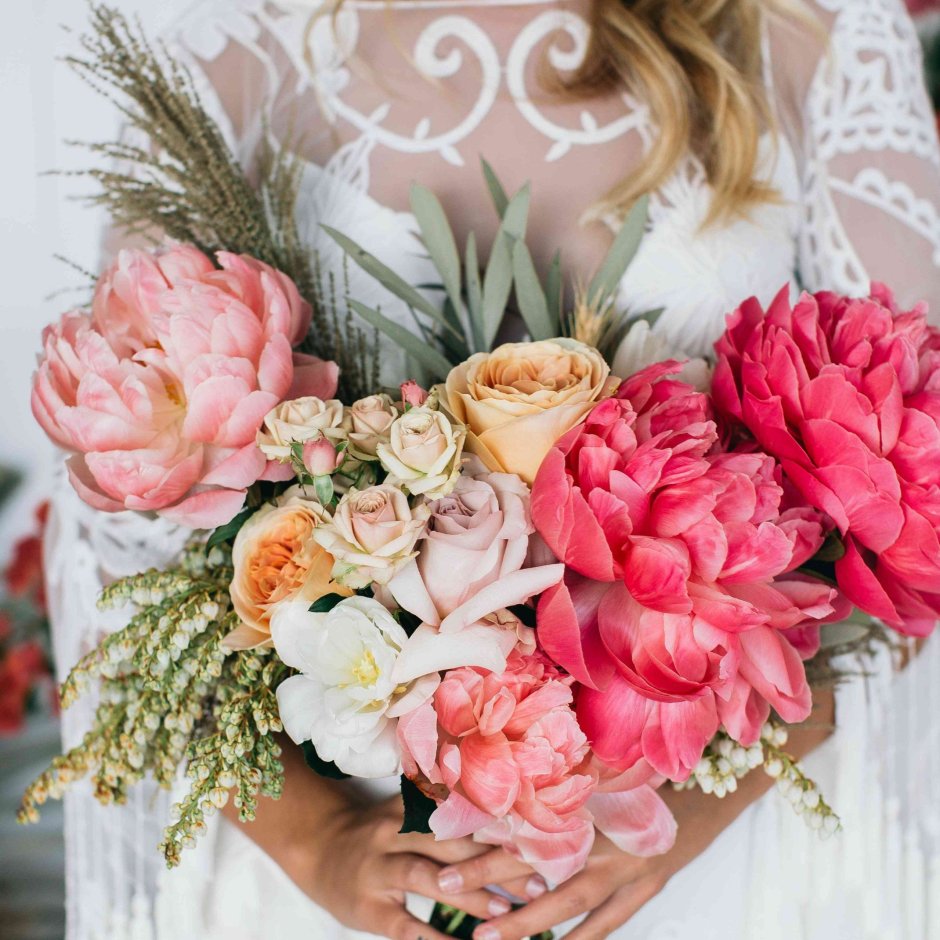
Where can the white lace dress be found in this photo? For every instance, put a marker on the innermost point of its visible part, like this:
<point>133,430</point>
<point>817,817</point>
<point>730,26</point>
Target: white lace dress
<point>386,93</point>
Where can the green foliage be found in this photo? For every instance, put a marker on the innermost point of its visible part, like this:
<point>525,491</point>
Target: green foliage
<point>418,808</point>
<point>475,302</point>
<point>325,768</point>
<point>171,695</point>
<point>325,604</point>
<point>226,533</point>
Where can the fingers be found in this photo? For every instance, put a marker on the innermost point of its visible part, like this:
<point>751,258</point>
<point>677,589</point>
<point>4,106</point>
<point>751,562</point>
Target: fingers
<point>495,867</point>
<point>395,922</point>
<point>614,913</point>
<point>527,888</point>
<point>573,898</point>
<point>419,875</point>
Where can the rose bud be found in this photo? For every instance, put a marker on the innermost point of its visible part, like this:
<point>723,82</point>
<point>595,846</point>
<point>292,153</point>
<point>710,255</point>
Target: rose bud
<point>413,394</point>
<point>321,458</point>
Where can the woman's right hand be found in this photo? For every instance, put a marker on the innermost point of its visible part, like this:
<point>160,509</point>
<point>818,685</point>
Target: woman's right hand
<point>360,869</point>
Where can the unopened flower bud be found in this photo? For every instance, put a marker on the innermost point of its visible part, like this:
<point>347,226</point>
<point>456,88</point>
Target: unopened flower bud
<point>321,457</point>
<point>413,394</point>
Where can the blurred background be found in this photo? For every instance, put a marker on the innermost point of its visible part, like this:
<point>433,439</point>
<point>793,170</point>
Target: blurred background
<point>43,105</point>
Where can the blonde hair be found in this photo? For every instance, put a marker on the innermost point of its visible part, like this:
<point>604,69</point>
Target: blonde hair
<point>698,66</point>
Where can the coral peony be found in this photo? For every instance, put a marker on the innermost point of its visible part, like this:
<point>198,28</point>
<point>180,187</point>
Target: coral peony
<point>505,754</point>
<point>677,600</point>
<point>161,389</point>
<point>846,395</point>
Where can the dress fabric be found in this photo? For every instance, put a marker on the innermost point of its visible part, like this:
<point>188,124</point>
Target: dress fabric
<point>375,95</point>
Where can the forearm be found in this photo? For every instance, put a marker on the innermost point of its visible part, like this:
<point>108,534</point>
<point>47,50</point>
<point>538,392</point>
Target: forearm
<point>286,828</point>
<point>697,830</point>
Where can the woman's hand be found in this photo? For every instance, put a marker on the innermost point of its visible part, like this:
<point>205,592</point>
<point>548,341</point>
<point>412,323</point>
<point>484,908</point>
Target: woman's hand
<point>613,886</point>
<point>362,867</point>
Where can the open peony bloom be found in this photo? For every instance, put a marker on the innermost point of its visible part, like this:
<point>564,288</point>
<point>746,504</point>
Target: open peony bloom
<point>678,601</point>
<point>845,393</point>
<point>471,558</point>
<point>510,765</point>
<point>161,389</point>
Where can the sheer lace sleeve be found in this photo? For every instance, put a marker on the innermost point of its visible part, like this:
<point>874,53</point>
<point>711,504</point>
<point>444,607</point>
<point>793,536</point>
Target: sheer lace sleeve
<point>871,159</point>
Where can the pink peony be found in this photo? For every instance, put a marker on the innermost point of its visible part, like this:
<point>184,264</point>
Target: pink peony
<point>846,395</point>
<point>161,389</point>
<point>675,611</point>
<point>512,767</point>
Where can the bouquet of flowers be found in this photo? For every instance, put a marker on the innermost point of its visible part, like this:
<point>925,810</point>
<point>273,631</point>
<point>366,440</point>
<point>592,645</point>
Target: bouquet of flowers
<point>536,590</point>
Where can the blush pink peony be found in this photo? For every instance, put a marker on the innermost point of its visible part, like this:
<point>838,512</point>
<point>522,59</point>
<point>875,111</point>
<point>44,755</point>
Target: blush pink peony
<point>160,390</point>
<point>510,765</point>
<point>675,611</point>
<point>846,395</point>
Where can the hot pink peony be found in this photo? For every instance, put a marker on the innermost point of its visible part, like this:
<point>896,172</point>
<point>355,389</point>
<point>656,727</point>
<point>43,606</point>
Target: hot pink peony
<point>517,771</point>
<point>846,395</point>
<point>161,389</point>
<point>675,611</point>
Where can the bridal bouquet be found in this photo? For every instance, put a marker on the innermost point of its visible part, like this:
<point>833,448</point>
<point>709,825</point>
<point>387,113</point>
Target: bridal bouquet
<point>535,589</point>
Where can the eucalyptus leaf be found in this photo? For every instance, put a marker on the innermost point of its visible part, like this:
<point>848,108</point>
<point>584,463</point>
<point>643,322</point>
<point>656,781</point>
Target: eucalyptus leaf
<point>604,284</point>
<point>554,292</point>
<point>436,364</point>
<point>438,239</point>
<point>530,296</point>
<point>418,808</point>
<point>497,283</point>
<point>474,293</point>
<point>389,279</point>
<point>497,193</point>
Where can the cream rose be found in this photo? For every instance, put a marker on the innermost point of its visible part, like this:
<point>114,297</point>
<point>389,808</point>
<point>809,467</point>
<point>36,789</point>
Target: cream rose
<point>372,534</point>
<point>300,420</point>
<point>367,423</point>
<point>522,397</point>
<point>276,558</point>
<point>423,452</point>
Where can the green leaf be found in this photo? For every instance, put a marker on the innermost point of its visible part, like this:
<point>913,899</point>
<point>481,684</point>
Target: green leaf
<point>516,216</point>
<point>529,294</point>
<point>227,532</point>
<point>436,364</point>
<point>497,283</point>
<point>525,613</point>
<point>418,808</point>
<point>831,550</point>
<point>604,284</point>
<point>438,239</point>
<point>324,487</point>
<point>474,293</point>
<point>389,279</point>
<point>497,193</point>
<point>408,621</point>
<point>554,292</point>
<point>323,605</point>
<point>325,768</point>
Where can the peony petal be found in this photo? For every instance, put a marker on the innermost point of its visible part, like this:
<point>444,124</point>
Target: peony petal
<point>457,818</point>
<point>637,821</point>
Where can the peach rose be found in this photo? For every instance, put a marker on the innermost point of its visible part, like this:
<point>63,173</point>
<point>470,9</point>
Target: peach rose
<point>518,400</point>
<point>367,424</point>
<point>276,558</point>
<point>372,534</point>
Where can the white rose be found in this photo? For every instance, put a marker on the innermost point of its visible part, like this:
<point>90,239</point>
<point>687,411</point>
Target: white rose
<point>372,534</point>
<point>423,452</point>
<point>300,420</point>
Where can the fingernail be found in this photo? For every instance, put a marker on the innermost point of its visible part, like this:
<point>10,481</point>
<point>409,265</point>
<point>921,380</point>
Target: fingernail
<point>535,887</point>
<point>450,880</point>
<point>485,932</point>
<point>499,906</point>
